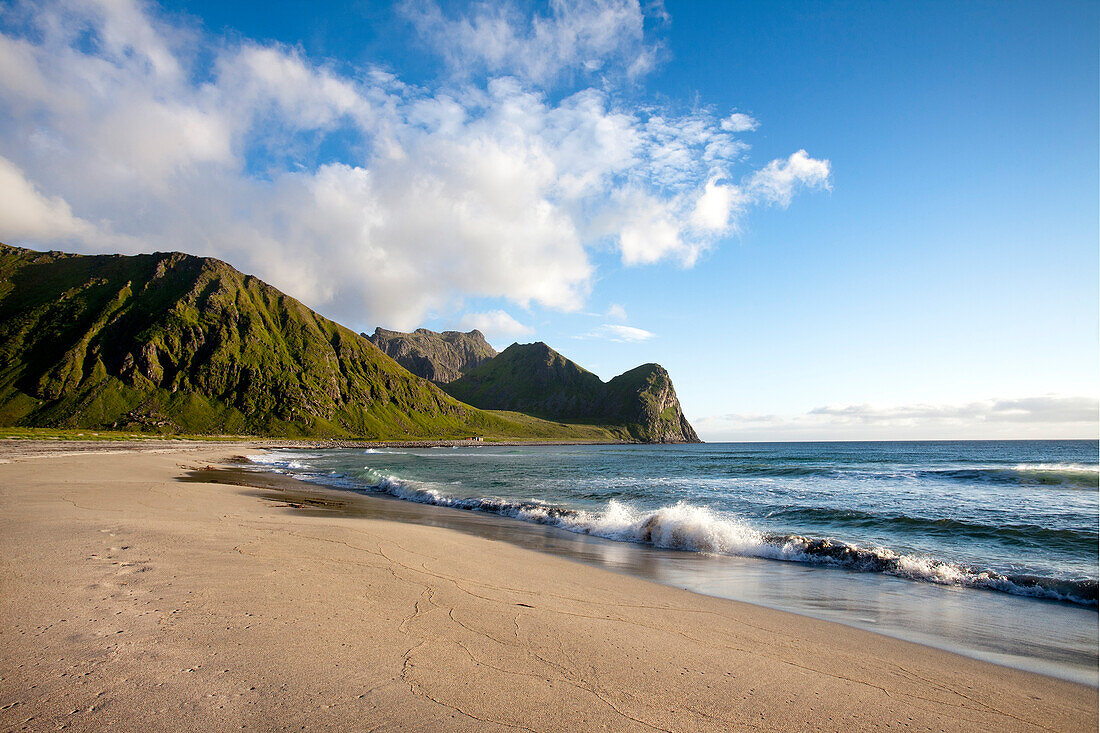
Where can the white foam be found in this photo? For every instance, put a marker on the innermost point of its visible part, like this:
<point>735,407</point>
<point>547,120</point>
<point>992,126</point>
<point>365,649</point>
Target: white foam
<point>1064,469</point>
<point>680,526</point>
<point>685,526</point>
<point>1083,467</point>
<point>283,461</point>
<point>280,457</point>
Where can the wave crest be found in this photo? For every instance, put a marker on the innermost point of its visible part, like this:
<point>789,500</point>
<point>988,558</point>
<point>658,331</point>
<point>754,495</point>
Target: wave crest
<point>685,526</point>
<point>1072,475</point>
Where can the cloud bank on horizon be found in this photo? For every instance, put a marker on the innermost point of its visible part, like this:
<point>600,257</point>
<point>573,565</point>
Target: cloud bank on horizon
<point>123,130</point>
<point>1043,417</point>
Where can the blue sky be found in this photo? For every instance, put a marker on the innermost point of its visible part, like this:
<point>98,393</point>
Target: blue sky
<point>827,220</point>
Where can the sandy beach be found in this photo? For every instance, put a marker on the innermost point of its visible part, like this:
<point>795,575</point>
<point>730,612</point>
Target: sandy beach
<point>134,600</point>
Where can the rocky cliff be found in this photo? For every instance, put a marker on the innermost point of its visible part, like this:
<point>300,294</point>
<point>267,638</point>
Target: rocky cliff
<point>648,406</point>
<point>440,357</point>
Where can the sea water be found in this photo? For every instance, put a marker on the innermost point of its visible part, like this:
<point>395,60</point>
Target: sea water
<point>988,548</point>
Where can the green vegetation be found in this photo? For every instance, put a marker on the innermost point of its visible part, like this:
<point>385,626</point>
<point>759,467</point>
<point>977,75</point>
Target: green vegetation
<point>646,403</point>
<point>534,379</point>
<point>515,427</point>
<point>82,434</point>
<point>173,344</point>
<point>534,428</point>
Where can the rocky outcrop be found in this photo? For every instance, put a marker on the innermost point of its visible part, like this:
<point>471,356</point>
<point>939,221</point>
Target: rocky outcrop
<point>646,399</point>
<point>440,357</point>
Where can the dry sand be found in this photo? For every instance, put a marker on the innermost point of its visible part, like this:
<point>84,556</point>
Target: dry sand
<point>133,601</point>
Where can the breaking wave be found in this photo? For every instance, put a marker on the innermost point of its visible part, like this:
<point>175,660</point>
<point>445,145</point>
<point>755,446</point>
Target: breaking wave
<point>684,526</point>
<point>282,461</point>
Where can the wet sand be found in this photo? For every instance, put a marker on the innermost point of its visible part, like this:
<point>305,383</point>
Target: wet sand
<point>989,626</point>
<point>137,599</point>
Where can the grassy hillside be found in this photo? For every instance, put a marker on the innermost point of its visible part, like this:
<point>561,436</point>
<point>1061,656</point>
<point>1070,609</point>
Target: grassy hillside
<point>172,343</point>
<point>536,380</point>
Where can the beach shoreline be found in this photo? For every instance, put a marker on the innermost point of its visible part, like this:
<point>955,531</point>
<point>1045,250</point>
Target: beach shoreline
<point>13,448</point>
<point>882,604</point>
<point>137,599</point>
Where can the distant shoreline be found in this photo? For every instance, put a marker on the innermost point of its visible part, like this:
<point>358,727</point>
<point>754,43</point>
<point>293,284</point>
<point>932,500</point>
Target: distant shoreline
<point>12,448</point>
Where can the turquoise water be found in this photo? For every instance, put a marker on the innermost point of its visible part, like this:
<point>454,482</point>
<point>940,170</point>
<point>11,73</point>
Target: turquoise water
<point>997,531</point>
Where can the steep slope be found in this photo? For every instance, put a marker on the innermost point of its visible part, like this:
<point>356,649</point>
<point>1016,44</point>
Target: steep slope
<point>531,378</point>
<point>440,357</point>
<point>646,402</point>
<point>535,379</point>
<point>176,343</point>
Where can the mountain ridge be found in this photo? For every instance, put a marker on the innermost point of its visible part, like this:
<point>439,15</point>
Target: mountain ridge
<point>537,380</point>
<point>437,356</point>
<point>173,343</point>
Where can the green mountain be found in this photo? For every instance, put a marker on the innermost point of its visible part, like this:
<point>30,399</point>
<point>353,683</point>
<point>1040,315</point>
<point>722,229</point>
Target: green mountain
<point>440,357</point>
<point>645,402</point>
<point>173,343</point>
<point>536,380</point>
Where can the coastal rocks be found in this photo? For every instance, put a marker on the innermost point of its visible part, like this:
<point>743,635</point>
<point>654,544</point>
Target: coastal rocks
<point>646,399</point>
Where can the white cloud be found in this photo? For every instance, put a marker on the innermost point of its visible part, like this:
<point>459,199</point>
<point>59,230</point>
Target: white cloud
<point>619,333</point>
<point>1034,417</point>
<point>617,312</point>
<point>575,37</point>
<point>26,213</point>
<point>140,135</point>
<point>627,333</point>
<point>716,206</point>
<point>777,181</point>
<point>1028,410</point>
<point>739,122</point>
<point>651,233</point>
<point>494,324</point>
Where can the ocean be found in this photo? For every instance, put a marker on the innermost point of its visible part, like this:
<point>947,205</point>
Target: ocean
<point>986,548</point>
